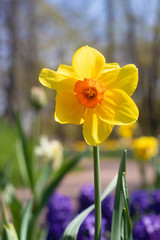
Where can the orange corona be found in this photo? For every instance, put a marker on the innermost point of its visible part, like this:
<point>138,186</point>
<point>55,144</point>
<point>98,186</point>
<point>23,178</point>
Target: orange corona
<point>89,92</point>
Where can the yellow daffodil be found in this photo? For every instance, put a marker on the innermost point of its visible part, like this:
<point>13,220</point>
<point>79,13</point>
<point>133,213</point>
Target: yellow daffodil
<point>93,93</point>
<point>127,131</point>
<point>79,146</point>
<point>112,145</point>
<point>146,147</point>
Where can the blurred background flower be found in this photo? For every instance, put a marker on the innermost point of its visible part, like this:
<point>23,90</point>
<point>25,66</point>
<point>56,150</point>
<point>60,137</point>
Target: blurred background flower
<point>145,147</point>
<point>127,131</point>
<point>110,144</point>
<point>85,199</point>
<point>79,146</point>
<point>38,98</point>
<point>148,227</point>
<point>86,231</point>
<point>86,196</point>
<point>155,201</point>
<point>140,202</point>
<point>59,215</point>
<point>144,210</point>
<point>50,150</point>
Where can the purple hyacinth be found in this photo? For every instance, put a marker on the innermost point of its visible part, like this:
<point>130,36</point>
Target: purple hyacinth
<point>139,202</point>
<point>86,231</point>
<point>148,228</point>
<point>155,201</point>
<point>86,197</point>
<point>107,210</point>
<point>59,215</point>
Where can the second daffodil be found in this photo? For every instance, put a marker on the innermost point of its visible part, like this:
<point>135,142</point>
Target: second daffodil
<point>93,93</point>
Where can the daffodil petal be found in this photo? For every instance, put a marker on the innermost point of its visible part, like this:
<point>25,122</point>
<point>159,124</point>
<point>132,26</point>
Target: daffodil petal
<point>87,62</point>
<point>125,78</point>
<point>95,131</point>
<point>68,109</point>
<point>65,70</point>
<point>57,80</point>
<point>117,108</point>
<point>109,66</point>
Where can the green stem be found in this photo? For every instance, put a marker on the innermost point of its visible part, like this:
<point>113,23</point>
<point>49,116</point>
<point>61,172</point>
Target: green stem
<point>34,143</point>
<point>97,190</point>
<point>35,128</point>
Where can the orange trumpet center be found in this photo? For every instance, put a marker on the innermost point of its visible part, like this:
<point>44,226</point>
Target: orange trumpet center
<point>89,92</point>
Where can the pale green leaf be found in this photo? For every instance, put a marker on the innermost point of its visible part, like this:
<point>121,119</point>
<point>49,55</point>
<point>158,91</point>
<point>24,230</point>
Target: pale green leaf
<point>25,220</point>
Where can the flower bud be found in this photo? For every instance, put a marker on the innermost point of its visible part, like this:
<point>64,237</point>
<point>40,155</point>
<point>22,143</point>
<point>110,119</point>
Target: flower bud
<point>38,98</point>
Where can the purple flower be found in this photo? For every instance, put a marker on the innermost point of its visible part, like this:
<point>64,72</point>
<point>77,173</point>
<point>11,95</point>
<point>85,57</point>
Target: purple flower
<point>140,202</point>
<point>86,197</point>
<point>107,209</point>
<point>155,201</point>
<point>148,228</point>
<point>59,215</point>
<point>86,231</point>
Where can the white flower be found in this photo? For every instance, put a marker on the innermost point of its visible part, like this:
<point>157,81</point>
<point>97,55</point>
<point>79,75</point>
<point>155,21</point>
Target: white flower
<point>50,150</point>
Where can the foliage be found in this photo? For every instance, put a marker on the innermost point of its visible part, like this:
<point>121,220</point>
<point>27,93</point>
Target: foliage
<point>121,225</point>
<point>25,219</point>
<point>42,185</point>
<point>8,159</point>
<point>72,230</point>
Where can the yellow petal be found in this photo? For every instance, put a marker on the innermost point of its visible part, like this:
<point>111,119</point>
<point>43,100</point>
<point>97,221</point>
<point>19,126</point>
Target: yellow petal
<point>108,67</point>
<point>95,131</point>
<point>87,62</point>
<point>117,108</point>
<point>68,109</point>
<point>62,80</point>
<point>125,78</point>
<point>65,70</point>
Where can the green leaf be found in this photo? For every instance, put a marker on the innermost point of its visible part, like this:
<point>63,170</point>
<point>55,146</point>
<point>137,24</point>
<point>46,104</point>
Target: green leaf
<point>41,182</point>
<point>14,204</point>
<point>121,224</point>
<point>15,207</point>
<point>57,177</point>
<point>9,232</point>
<point>26,153</point>
<point>8,193</point>
<point>25,220</point>
<point>51,185</point>
<point>128,224</point>
<point>4,215</point>
<point>73,228</point>
<point>21,162</point>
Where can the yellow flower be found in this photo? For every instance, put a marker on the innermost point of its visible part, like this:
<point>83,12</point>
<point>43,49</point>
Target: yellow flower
<point>146,147</point>
<point>112,144</point>
<point>79,146</point>
<point>127,131</point>
<point>93,93</point>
